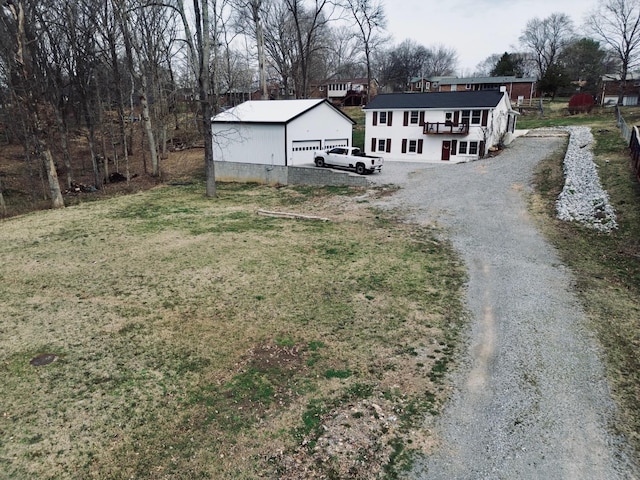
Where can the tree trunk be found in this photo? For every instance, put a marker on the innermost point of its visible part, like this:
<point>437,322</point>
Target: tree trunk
<point>52,175</point>
<point>200,50</point>
<point>255,10</point>
<point>3,206</point>
<point>146,121</point>
<point>23,77</point>
<point>91,138</point>
<point>64,143</point>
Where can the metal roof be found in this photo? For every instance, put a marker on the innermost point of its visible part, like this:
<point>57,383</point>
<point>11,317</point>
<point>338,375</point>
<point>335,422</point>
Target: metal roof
<point>437,100</point>
<point>270,111</point>
<point>615,77</point>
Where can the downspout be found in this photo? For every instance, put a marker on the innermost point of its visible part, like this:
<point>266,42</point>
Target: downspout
<point>286,148</point>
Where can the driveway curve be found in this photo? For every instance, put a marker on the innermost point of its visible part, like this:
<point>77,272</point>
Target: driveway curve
<point>530,396</point>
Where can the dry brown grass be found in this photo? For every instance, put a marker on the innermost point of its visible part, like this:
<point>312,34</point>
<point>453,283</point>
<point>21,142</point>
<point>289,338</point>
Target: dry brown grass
<point>196,339</point>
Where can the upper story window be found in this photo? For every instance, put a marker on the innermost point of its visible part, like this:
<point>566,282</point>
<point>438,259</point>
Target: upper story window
<point>384,118</point>
<point>414,117</point>
<point>471,117</point>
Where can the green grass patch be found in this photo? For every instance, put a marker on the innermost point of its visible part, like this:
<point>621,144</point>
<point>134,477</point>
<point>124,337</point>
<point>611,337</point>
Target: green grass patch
<point>331,373</point>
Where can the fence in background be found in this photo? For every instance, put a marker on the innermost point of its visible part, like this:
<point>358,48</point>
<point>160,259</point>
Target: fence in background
<point>632,137</point>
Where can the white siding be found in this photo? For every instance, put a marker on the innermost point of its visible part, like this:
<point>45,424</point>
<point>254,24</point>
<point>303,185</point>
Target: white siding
<point>321,124</point>
<point>432,145</point>
<point>249,143</point>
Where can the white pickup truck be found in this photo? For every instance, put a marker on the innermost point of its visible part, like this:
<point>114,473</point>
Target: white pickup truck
<point>348,157</point>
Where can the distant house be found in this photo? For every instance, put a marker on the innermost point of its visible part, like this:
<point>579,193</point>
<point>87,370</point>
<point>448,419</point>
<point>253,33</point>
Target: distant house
<point>275,91</point>
<point>346,92</point>
<point>438,127</point>
<point>611,86</point>
<point>279,132</point>
<point>520,90</point>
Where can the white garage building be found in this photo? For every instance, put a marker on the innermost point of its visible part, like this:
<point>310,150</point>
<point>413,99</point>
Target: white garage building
<point>279,132</point>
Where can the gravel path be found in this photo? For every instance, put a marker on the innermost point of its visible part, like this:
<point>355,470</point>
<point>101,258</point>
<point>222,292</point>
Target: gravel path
<point>530,399</point>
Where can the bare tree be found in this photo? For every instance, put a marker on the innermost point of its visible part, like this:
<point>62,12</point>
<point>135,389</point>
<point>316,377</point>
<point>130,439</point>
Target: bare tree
<point>545,39</point>
<point>441,61</point>
<point>280,41</point>
<point>144,53</point>
<point>81,35</point>
<point>309,25</point>
<point>27,77</point>
<point>484,68</point>
<point>253,9</point>
<point>344,55</point>
<point>617,24</point>
<point>370,21</point>
<point>403,62</point>
<point>199,45</point>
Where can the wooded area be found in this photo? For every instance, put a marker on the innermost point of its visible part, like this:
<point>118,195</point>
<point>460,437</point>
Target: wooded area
<point>89,86</point>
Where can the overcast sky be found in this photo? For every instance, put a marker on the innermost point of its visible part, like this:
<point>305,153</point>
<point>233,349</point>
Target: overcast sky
<point>475,28</point>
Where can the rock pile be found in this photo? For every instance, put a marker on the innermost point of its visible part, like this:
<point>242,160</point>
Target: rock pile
<point>583,199</point>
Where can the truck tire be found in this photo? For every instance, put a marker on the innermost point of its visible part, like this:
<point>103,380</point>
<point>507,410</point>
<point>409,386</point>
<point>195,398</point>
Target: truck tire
<point>319,162</point>
<point>360,168</point>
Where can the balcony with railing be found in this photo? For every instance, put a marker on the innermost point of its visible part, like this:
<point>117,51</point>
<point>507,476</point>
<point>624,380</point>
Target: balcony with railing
<point>446,128</point>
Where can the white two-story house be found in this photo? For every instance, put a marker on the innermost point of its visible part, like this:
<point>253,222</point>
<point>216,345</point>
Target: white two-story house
<point>438,127</point>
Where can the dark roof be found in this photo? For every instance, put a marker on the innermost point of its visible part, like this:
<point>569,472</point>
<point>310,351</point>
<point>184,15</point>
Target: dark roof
<point>458,100</point>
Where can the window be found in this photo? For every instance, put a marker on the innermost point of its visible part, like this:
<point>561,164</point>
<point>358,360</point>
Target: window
<point>382,145</point>
<point>476,117</point>
<point>473,148</point>
<point>383,118</point>
<point>463,148</point>
<point>414,117</point>
<point>465,117</point>
<point>468,86</point>
<point>413,146</point>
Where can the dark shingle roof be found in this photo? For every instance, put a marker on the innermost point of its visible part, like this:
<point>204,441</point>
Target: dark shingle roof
<point>457,100</point>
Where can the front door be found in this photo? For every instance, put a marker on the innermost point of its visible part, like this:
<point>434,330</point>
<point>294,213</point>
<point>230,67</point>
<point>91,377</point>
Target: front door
<point>446,149</point>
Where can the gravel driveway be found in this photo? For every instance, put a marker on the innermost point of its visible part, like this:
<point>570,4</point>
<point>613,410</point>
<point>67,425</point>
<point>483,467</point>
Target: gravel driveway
<point>530,398</point>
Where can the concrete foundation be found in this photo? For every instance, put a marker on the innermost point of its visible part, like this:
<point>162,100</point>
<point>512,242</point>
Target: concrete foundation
<point>280,175</point>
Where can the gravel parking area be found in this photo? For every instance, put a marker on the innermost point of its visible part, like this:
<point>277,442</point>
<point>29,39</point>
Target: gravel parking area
<point>530,398</point>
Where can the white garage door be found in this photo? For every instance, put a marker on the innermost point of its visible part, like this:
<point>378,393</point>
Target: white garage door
<point>335,142</point>
<point>303,151</point>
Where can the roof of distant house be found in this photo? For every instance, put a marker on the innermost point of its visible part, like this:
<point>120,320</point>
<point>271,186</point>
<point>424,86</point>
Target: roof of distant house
<point>357,80</point>
<point>476,80</point>
<point>458,100</point>
<point>271,111</point>
<point>615,77</point>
